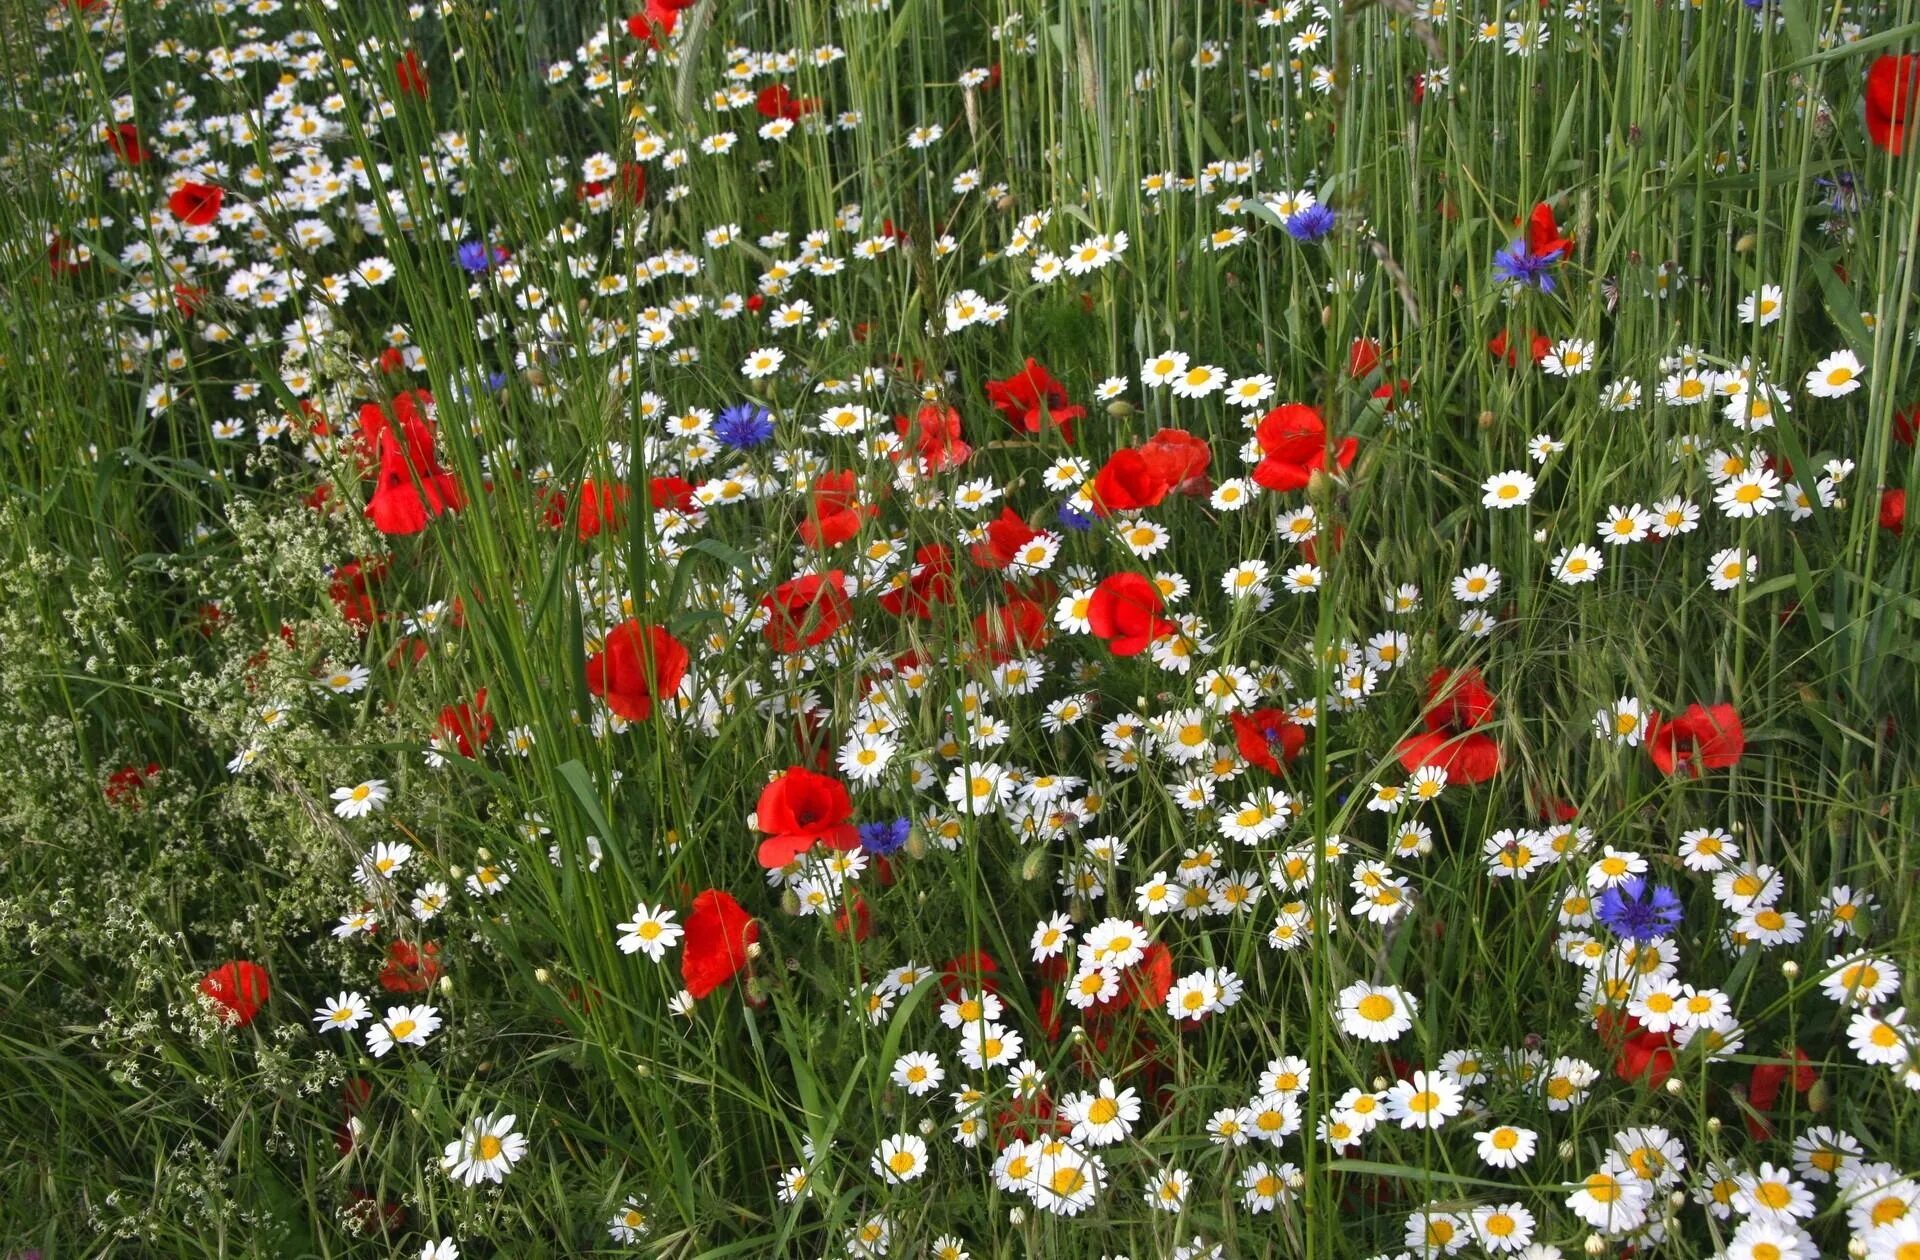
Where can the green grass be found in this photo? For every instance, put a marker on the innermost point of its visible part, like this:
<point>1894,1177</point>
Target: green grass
<point>168,596</point>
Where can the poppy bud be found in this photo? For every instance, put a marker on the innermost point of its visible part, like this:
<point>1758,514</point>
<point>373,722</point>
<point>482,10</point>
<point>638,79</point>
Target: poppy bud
<point>1486,420</point>
<point>1119,409</point>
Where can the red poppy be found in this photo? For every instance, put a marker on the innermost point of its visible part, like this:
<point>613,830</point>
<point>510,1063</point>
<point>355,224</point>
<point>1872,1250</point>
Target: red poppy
<point>187,299</point>
<point>1543,234</point>
<point>410,969</point>
<point>1006,630</point>
<point>1893,510</point>
<point>928,583</point>
<point>196,204</point>
<point>123,785</point>
<point>1125,611</point>
<point>1890,92</point>
<point>1458,702</point>
<point>1646,1057</point>
<point>639,665</point>
<point>601,507</point>
<point>799,809</point>
<point>1006,534</point>
<point>411,74</point>
<point>1363,357</point>
<point>1764,1086</point>
<point>350,591</point>
<point>1539,345</point>
<point>717,943</point>
<point>775,101</point>
<point>400,504</point>
<point>1260,733</point>
<point>1128,482</point>
<point>806,610</point>
<point>1183,460</point>
<point>933,435</point>
<point>124,140</point>
<point>239,989</point>
<point>1700,738</point>
<point>671,492</point>
<point>834,511</point>
<point>1293,445</point>
<point>468,726</point>
<point>1031,399</point>
<point>971,972</point>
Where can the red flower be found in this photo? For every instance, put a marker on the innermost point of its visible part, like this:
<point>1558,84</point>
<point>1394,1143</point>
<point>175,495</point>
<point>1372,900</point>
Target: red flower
<point>1006,534</point>
<point>775,101</point>
<point>196,204</point>
<point>639,665</point>
<point>1293,443</point>
<point>1260,733</point>
<point>1183,460</point>
<point>928,583</point>
<point>1893,510</point>
<point>124,140</point>
<point>1457,702</point>
<point>1019,625</point>
<point>1765,1083</point>
<point>835,512</point>
<point>1543,234</point>
<point>715,948</point>
<point>468,726</point>
<point>1890,91</point>
<point>1906,424</point>
<point>671,492</point>
<point>806,610</point>
<point>1363,357</point>
<point>350,591</point>
<point>799,809</point>
<point>411,75</point>
<point>934,437</point>
<point>123,785</point>
<point>239,989</point>
<point>1699,738</point>
<point>1134,478</point>
<point>1646,1057</point>
<point>1125,611</point>
<point>1539,346</point>
<point>1031,399</point>
<point>410,969</point>
<point>410,487</point>
<point>600,507</point>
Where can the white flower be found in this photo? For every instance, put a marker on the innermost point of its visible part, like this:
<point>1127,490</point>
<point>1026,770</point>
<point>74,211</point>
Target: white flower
<point>763,363</point>
<point>361,799</point>
<point>1427,1101</point>
<point>343,1012</point>
<point>1835,376</point>
<point>486,1151</point>
<point>1578,564</point>
<point>1375,1013</point>
<point>403,1026</point>
<point>901,1158</point>
<point>1510,489</point>
<point>1762,307</point>
<point>652,932</point>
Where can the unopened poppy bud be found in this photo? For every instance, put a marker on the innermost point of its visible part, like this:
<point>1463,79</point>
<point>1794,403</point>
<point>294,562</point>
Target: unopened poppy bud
<point>790,903</point>
<point>643,1070</point>
<point>755,949</point>
<point>1744,245</point>
<point>1319,485</point>
<point>1326,317</point>
<point>1790,969</point>
<point>1486,419</point>
<point>1713,1124</point>
<point>1566,1150</point>
<point>1181,49</point>
<point>446,984</point>
<point>1818,1096</point>
<point>1119,409</point>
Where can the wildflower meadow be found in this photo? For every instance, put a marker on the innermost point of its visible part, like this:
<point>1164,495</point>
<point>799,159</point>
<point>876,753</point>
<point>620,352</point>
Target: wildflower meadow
<point>1149,629</point>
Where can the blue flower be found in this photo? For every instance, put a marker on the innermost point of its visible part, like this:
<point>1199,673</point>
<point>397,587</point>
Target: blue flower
<point>1638,912</point>
<point>475,257</point>
<point>1518,264</point>
<point>883,839</point>
<point>743,427</point>
<point>1074,519</point>
<point>1311,223</point>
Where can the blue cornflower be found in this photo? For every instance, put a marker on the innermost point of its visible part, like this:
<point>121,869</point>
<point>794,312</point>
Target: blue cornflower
<point>883,839</point>
<point>1311,223</point>
<point>1074,519</point>
<point>743,427</point>
<point>1639,912</point>
<point>475,257</point>
<point>496,381</point>
<point>1520,265</point>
